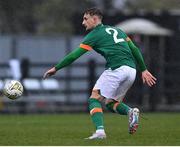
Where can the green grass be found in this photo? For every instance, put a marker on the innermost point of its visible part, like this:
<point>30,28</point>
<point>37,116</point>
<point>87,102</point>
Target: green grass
<point>71,129</point>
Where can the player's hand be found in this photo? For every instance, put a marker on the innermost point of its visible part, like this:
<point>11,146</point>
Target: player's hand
<point>49,73</point>
<point>148,78</point>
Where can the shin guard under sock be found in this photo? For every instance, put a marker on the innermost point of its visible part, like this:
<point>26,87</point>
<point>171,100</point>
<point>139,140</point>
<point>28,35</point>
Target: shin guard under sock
<point>96,113</point>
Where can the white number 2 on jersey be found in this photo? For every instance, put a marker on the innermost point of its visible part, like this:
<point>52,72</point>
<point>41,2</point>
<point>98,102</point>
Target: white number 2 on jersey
<point>115,35</point>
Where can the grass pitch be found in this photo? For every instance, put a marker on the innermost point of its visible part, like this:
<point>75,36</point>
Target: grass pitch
<point>71,129</point>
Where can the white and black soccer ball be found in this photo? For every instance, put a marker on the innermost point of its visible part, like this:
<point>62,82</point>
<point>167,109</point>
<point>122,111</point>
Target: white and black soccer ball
<point>13,89</point>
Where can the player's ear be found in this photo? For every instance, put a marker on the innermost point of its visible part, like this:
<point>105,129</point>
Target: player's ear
<point>95,18</point>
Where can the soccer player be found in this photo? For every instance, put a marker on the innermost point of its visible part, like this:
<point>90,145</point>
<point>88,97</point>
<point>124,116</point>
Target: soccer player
<point>121,55</point>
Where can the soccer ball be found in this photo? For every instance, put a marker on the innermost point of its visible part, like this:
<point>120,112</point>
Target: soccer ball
<point>13,89</point>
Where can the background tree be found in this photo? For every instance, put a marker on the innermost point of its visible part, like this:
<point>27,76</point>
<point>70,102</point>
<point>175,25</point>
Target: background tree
<point>16,16</point>
<point>151,5</point>
<point>59,16</point>
<point>55,16</point>
<point>39,16</point>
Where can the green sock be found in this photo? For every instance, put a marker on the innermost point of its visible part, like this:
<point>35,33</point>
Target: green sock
<point>96,113</point>
<point>117,107</point>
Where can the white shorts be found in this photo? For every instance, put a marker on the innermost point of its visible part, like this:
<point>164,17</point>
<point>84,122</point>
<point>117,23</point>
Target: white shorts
<point>113,84</point>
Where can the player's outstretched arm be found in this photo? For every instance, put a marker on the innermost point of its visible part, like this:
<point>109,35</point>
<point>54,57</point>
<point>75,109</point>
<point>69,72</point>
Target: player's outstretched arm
<point>67,60</point>
<point>147,77</point>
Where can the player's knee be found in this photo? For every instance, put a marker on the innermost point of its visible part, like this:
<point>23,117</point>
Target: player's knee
<point>96,95</point>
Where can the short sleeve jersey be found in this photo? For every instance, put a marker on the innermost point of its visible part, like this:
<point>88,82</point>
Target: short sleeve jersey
<point>111,43</point>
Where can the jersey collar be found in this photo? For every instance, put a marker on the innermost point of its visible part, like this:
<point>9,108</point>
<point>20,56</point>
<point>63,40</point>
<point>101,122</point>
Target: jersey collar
<point>98,26</point>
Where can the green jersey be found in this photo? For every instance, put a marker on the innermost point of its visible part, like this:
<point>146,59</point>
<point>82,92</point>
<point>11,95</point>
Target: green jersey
<point>111,43</point>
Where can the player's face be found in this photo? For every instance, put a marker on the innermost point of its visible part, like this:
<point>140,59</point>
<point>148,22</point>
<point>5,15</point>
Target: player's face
<point>88,22</point>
